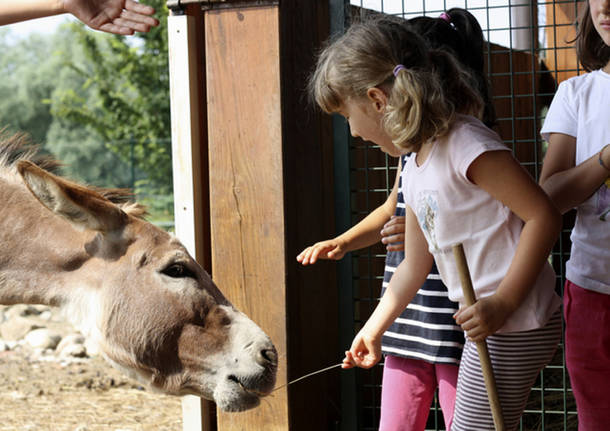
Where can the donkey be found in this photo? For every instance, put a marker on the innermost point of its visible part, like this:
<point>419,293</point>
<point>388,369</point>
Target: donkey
<point>129,286</point>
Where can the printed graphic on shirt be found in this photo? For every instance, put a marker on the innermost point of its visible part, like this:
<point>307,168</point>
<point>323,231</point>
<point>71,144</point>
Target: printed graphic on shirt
<point>427,210</point>
<point>603,201</point>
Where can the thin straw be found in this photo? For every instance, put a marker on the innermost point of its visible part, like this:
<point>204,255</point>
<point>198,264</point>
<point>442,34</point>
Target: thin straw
<point>309,375</point>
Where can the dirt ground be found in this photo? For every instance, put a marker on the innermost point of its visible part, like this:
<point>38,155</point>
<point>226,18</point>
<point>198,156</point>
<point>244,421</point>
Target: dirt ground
<point>44,394</point>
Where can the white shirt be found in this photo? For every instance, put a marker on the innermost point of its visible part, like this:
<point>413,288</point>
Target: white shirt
<point>451,209</point>
<point>581,108</point>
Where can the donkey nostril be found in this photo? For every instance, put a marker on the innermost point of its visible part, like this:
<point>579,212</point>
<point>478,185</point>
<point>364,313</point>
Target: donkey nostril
<point>267,355</point>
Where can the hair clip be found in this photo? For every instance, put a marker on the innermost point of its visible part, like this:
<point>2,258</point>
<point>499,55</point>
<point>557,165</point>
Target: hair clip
<point>445,16</point>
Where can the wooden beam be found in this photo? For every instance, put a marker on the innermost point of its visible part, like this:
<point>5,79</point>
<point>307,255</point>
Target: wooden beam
<point>189,158</point>
<point>270,191</point>
<point>246,183</point>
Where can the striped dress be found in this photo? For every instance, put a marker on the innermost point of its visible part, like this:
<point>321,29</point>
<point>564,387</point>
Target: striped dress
<point>425,330</point>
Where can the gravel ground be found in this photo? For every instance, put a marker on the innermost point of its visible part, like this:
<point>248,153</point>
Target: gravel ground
<point>43,392</point>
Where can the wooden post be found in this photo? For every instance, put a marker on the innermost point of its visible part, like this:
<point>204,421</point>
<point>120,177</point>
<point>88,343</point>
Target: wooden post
<point>246,182</point>
<point>189,158</point>
<point>270,190</point>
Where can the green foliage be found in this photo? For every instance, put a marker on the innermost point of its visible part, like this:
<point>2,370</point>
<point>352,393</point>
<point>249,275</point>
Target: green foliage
<point>87,159</point>
<point>123,96</point>
<point>28,78</point>
<point>97,102</point>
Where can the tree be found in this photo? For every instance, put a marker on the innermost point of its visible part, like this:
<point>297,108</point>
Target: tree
<point>99,103</point>
<point>28,78</point>
<point>124,97</point>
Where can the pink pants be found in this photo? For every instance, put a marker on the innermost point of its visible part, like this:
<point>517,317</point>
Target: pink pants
<point>407,391</point>
<point>587,340</point>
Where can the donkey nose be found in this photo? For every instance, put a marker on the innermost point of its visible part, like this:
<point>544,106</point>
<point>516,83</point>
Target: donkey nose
<point>267,357</point>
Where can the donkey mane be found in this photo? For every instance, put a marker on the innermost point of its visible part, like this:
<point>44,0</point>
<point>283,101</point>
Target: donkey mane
<point>18,146</point>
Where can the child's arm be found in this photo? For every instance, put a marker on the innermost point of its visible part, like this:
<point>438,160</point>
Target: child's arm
<point>404,284</point>
<point>569,185</point>
<point>365,233</point>
<point>500,175</point>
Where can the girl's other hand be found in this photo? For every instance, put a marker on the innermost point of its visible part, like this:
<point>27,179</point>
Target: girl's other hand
<point>364,353</point>
<point>483,318</point>
<point>393,234</point>
<point>329,249</point>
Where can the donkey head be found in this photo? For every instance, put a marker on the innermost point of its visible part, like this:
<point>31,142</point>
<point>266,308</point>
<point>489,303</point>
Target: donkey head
<point>154,312</point>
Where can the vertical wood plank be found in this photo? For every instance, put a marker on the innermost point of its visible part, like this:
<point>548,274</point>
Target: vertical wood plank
<point>312,294</point>
<point>246,183</point>
<point>190,207</point>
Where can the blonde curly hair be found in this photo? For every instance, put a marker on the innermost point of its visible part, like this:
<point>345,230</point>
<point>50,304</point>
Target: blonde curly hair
<point>423,98</point>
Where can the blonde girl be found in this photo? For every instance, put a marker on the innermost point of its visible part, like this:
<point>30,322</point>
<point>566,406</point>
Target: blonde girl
<point>575,174</point>
<point>461,186</point>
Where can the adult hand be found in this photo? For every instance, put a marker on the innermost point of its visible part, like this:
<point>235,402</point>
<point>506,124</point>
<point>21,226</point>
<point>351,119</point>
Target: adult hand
<point>329,249</point>
<point>122,17</point>
<point>393,234</point>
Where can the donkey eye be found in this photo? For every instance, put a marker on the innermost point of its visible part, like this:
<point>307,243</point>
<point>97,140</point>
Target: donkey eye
<point>178,270</point>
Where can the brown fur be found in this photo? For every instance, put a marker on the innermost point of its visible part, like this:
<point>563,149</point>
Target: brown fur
<point>131,286</point>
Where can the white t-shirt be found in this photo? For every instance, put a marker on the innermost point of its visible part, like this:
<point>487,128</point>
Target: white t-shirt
<point>451,209</point>
<point>581,108</point>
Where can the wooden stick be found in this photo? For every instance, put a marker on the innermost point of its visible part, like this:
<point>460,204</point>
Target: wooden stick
<point>488,373</point>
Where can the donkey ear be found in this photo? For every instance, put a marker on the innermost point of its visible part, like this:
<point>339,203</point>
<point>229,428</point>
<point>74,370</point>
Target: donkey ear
<point>82,207</point>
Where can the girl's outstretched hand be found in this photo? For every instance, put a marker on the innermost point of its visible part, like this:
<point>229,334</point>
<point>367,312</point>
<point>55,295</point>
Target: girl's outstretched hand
<point>329,249</point>
<point>483,318</point>
<point>364,353</point>
<point>393,234</point>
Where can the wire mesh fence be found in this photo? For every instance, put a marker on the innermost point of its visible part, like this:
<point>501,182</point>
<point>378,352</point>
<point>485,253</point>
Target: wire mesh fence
<point>528,53</point>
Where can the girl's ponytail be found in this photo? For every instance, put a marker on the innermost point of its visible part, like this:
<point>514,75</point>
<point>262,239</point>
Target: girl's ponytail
<point>472,54</point>
<point>458,32</point>
<point>470,37</point>
<point>417,109</point>
<point>459,86</point>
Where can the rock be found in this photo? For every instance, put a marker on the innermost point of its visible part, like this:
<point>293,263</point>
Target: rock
<point>40,308</point>
<point>73,350</point>
<point>72,345</point>
<point>17,395</point>
<point>46,315</point>
<point>74,338</point>
<point>93,348</point>
<point>22,310</point>
<point>16,328</point>
<point>11,344</point>
<point>43,338</point>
